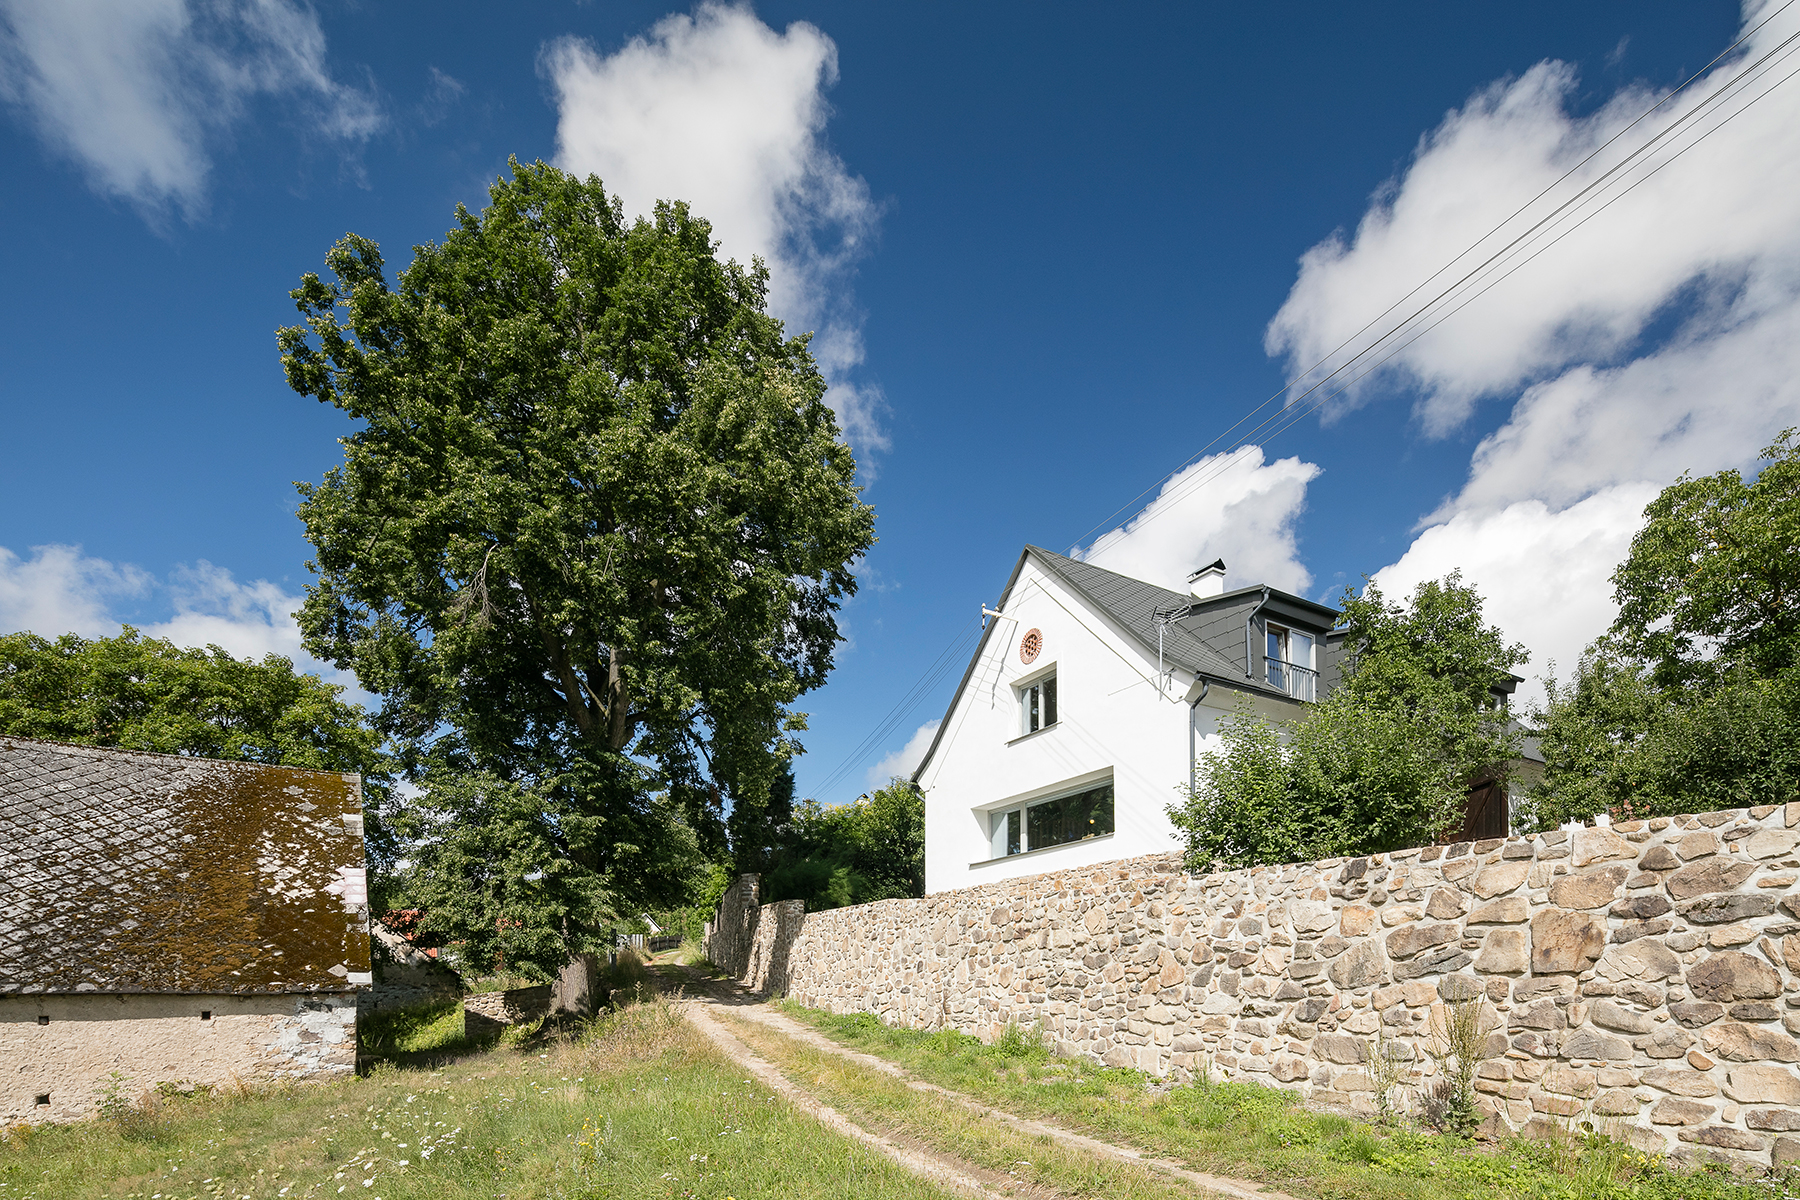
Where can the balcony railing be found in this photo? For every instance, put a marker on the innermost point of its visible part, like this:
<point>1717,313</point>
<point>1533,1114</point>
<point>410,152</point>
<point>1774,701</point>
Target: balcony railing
<point>1302,683</point>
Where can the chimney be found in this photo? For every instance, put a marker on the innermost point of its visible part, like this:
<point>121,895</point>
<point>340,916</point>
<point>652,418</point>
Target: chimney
<point>1208,581</point>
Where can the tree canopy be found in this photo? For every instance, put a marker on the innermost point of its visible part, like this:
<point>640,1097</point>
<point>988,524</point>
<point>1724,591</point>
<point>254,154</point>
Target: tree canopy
<point>1691,700</point>
<point>1712,584</point>
<point>1384,761</point>
<point>593,528</point>
<point>872,849</point>
<point>142,693</point>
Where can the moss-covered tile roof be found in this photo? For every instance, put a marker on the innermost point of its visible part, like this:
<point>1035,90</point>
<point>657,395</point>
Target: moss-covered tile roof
<point>130,872</point>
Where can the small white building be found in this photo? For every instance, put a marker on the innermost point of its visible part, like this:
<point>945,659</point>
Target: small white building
<point>1084,708</point>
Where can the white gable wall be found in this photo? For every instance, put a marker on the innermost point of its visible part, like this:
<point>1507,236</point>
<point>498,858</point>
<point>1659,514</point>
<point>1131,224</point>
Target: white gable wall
<point>1111,723</point>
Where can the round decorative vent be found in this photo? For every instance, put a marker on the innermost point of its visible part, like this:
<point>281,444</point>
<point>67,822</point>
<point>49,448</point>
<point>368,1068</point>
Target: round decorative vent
<point>1030,646</point>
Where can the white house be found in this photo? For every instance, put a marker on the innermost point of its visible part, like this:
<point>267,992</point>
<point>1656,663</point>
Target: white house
<point>1085,705</point>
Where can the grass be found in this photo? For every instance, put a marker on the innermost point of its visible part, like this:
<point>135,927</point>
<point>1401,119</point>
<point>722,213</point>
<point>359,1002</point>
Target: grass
<point>401,1032</point>
<point>1247,1130</point>
<point>635,1104</point>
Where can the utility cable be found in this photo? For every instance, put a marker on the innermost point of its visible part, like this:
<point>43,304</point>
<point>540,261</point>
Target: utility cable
<point>910,700</point>
<point>1289,415</point>
<point>1291,384</point>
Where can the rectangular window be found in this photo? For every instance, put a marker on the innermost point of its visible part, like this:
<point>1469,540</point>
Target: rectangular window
<point>1289,663</point>
<point>1005,830</point>
<point>1037,704</point>
<point>1054,822</point>
<point>1070,818</point>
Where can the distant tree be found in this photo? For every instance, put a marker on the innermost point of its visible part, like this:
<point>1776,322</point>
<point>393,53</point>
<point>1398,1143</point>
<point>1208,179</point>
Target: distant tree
<point>1383,762</point>
<point>872,849</point>
<point>1692,699</point>
<point>588,540</point>
<point>143,693</point>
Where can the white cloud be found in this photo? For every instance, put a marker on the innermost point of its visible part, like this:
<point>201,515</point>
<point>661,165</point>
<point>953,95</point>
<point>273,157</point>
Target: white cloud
<point>1714,237</point>
<point>721,111</point>
<point>247,620</point>
<point>136,93</point>
<point>59,590</point>
<point>904,761</point>
<point>1545,574</point>
<point>1661,336</point>
<point>1231,506</point>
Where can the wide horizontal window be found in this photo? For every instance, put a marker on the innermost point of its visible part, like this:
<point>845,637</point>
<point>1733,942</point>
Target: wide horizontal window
<point>1053,822</point>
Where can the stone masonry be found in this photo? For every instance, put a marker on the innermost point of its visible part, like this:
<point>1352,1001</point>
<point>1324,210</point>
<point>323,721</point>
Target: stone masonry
<point>1644,975</point>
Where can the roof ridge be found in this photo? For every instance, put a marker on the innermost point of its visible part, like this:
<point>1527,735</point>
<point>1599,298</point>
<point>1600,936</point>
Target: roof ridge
<point>159,755</point>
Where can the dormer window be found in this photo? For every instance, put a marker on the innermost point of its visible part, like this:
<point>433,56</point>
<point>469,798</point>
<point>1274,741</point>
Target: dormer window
<point>1289,659</point>
<point>1037,705</point>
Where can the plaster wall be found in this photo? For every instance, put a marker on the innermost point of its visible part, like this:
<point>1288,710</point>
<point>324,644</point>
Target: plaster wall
<point>1113,722</point>
<point>154,1039</point>
<point>1643,976</point>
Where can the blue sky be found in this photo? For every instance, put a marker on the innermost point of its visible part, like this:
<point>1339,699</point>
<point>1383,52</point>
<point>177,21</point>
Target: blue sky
<point>1052,252</point>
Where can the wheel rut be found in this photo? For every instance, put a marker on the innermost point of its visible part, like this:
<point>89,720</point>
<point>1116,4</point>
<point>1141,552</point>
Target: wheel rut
<point>711,998</point>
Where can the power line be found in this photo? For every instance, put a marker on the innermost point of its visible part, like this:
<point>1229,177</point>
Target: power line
<point>872,741</point>
<point>1289,415</point>
<point>1291,384</point>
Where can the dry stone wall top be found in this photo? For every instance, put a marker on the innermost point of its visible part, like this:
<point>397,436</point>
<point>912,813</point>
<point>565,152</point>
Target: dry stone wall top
<point>1645,976</point>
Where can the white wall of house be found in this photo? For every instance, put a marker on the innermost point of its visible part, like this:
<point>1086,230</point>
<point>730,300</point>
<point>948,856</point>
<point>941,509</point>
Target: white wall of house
<point>63,1054</point>
<point>1113,722</point>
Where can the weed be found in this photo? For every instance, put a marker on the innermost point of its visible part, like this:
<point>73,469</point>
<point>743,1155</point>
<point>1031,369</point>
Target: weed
<point>1460,1029</point>
<point>1021,1041</point>
<point>1388,1072</point>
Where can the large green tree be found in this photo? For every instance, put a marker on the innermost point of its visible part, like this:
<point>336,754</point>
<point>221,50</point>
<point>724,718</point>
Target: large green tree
<point>1692,699</point>
<point>593,526</point>
<point>1383,762</point>
<point>872,849</point>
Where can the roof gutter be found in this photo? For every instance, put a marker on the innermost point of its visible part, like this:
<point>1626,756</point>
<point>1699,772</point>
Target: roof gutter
<point>1193,713</point>
<point>1248,622</point>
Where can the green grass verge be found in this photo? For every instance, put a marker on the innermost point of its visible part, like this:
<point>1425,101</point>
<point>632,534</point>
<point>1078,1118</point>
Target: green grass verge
<point>424,1029</point>
<point>1263,1134</point>
<point>635,1105</point>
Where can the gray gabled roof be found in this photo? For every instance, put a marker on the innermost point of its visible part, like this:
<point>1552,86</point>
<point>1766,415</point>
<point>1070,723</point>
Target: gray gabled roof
<point>1132,603</point>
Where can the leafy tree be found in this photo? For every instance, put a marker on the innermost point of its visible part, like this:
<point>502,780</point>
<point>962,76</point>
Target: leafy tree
<point>1692,699</point>
<point>497,866</point>
<point>1588,730</point>
<point>142,693</point>
<point>755,830</point>
<point>1712,584</point>
<point>873,849</point>
<point>1437,662</point>
<point>590,536</point>
<point>1349,778</point>
<point>1385,761</point>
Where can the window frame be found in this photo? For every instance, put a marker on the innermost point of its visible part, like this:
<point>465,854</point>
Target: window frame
<point>1023,688</point>
<point>1010,820</point>
<point>1275,667</point>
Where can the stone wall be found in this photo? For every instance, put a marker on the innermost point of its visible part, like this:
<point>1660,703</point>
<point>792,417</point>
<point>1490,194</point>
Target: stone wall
<point>65,1049</point>
<point>1645,976</point>
<point>486,1013</point>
